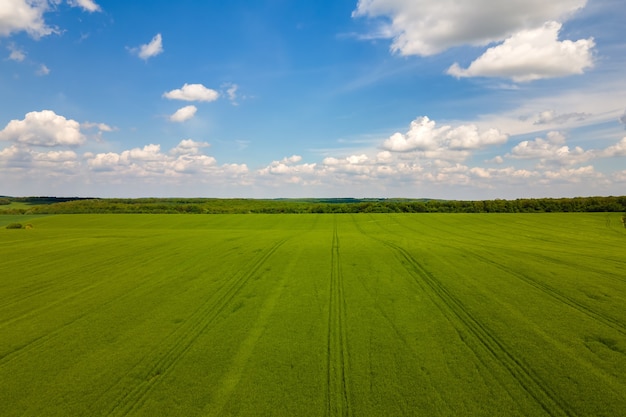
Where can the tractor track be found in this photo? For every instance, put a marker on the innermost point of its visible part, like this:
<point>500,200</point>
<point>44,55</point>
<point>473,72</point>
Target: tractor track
<point>482,341</point>
<point>338,398</point>
<point>180,341</point>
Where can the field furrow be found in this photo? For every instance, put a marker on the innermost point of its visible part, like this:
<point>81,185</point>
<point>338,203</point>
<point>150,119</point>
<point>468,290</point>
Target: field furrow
<point>616,324</point>
<point>147,374</point>
<point>337,355</point>
<point>322,315</point>
<point>524,375</point>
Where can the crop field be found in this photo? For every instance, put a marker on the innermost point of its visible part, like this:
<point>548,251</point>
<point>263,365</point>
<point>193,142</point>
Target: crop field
<point>313,315</point>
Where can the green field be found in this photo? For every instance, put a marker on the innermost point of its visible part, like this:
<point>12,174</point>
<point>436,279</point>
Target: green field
<point>313,315</point>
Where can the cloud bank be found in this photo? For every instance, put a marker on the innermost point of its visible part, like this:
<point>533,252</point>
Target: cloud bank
<point>428,157</point>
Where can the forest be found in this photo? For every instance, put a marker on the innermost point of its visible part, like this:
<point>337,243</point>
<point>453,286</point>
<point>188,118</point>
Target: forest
<point>74,205</point>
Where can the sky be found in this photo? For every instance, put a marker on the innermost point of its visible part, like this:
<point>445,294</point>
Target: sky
<point>451,99</point>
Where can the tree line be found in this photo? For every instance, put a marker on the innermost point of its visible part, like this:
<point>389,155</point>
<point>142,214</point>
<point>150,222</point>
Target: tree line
<point>54,205</point>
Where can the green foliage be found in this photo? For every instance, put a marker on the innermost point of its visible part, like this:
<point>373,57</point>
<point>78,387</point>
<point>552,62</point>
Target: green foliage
<point>4,201</point>
<point>293,315</point>
<point>298,206</point>
<point>14,226</point>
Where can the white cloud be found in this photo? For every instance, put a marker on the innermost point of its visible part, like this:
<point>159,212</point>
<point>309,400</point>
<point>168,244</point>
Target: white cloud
<point>531,55</point>
<point>103,161</point>
<point>44,128</point>
<point>24,15</point>
<point>550,150</point>
<point>600,102</point>
<point>16,54</point>
<point>189,147</point>
<point>293,159</point>
<point>88,5</point>
<point>553,150</point>
<point>55,156</point>
<point>192,92</point>
<point>190,164</point>
<point>39,163</point>
<point>150,152</point>
<point>101,127</point>
<point>184,114</point>
<point>151,49</point>
<point>572,175</point>
<point>427,27</point>
<point>15,156</point>
<point>619,149</point>
<point>150,162</point>
<point>288,166</point>
<point>43,70</point>
<point>423,135</point>
<point>231,92</point>
<point>551,117</point>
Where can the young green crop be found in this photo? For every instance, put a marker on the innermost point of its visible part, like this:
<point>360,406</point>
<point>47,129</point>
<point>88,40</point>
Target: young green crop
<point>351,315</point>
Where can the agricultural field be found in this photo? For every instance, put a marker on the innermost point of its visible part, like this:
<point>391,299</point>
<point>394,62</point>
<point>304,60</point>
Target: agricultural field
<point>313,315</point>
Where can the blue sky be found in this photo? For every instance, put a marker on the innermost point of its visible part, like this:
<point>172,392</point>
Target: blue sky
<point>447,99</point>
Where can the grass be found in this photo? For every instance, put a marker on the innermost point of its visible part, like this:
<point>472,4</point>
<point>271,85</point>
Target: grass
<point>352,315</point>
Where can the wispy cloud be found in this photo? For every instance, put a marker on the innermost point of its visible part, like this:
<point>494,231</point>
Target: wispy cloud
<point>150,49</point>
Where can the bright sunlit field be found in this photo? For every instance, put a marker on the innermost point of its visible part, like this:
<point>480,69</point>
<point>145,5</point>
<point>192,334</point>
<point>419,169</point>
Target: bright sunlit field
<point>313,315</point>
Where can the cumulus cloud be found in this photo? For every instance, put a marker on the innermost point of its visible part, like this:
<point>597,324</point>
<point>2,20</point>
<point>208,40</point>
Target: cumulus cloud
<point>424,135</point>
<point>44,128</point>
<point>289,166</point>
<point>184,114</point>
<point>619,149</point>
<point>15,157</point>
<point>550,150</point>
<point>88,5</point>
<point>24,15</point>
<point>192,92</point>
<point>103,161</point>
<point>427,27</point>
<point>28,15</point>
<point>150,49</point>
<point>572,175</point>
<point>48,163</point>
<point>55,156</point>
<point>189,147</point>
<point>151,162</point>
<point>531,55</point>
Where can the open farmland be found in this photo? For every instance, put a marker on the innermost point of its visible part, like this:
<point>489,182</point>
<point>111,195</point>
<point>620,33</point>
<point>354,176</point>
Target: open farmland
<point>316,315</point>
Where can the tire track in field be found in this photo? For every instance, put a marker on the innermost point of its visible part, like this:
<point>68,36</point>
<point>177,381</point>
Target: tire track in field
<point>231,378</point>
<point>453,308</point>
<point>456,312</point>
<point>607,320</point>
<point>580,263</point>
<point>179,341</point>
<point>39,341</point>
<point>338,401</point>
